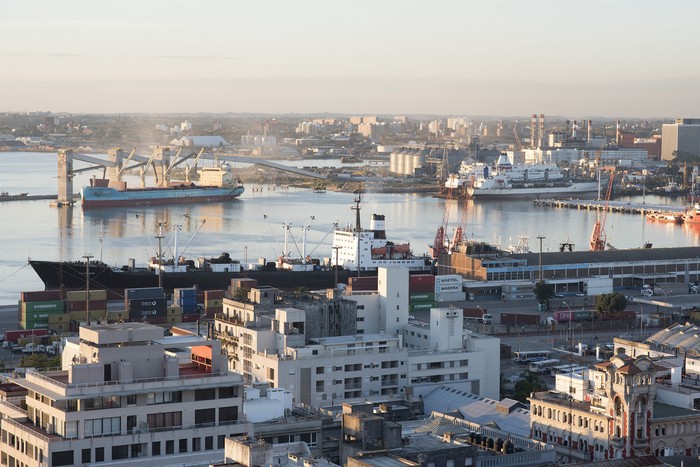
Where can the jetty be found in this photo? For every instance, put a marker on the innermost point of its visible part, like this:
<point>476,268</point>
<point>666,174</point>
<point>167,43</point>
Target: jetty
<point>612,206</point>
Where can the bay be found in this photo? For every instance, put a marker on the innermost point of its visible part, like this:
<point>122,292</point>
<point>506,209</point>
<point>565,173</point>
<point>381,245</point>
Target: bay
<point>253,226</point>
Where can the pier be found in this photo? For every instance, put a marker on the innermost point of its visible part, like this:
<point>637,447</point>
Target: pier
<point>612,206</point>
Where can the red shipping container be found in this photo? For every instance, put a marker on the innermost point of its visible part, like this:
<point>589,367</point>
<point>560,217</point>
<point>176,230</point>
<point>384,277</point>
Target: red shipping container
<point>416,279</point>
<point>81,305</point>
<point>213,294</point>
<point>211,311</point>
<point>421,287</point>
<point>190,318</point>
<point>363,283</point>
<point>41,296</point>
<point>12,336</point>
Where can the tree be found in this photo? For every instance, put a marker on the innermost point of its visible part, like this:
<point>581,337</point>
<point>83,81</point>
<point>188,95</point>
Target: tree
<point>524,387</point>
<point>241,294</point>
<point>543,291</point>
<point>610,303</point>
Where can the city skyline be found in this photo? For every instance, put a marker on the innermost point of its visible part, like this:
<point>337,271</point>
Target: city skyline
<point>607,59</point>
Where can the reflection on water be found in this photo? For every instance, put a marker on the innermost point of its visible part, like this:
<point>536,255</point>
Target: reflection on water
<point>252,226</point>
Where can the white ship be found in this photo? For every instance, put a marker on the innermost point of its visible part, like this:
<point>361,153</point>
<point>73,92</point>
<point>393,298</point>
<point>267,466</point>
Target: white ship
<point>500,187</point>
<point>368,249</point>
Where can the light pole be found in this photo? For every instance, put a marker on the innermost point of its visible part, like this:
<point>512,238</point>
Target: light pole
<point>540,238</point>
<point>483,324</point>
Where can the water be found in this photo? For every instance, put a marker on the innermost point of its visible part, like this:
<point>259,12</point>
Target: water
<point>252,226</point>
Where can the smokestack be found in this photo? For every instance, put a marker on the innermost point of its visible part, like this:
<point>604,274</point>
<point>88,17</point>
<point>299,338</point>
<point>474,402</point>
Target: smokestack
<point>617,134</point>
<point>590,124</point>
<point>573,130</point>
<point>533,132</point>
<point>541,138</point>
<point>568,125</point>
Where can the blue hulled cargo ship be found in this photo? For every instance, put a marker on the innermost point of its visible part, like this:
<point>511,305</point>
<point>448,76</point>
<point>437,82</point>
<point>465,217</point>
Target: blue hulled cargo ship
<point>215,184</point>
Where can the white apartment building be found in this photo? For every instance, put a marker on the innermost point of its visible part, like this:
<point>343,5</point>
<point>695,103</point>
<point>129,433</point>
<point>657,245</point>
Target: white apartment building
<point>386,355</point>
<point>124,400</point>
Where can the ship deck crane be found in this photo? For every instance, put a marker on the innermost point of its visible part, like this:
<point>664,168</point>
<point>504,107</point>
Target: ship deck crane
<point>599,239</point>
<point>189,168</point>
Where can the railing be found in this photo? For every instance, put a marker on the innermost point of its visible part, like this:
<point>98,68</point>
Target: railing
<point>13,407</point>
<point>133,381</point>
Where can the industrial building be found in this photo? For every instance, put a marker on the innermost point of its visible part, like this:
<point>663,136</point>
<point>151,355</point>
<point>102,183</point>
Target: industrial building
<point>683,136</point>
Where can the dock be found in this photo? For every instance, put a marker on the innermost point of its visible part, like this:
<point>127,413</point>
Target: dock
<point>613,206</point>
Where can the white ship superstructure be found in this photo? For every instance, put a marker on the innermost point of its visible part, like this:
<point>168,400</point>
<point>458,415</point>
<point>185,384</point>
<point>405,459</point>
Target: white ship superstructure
<point>368,249</point>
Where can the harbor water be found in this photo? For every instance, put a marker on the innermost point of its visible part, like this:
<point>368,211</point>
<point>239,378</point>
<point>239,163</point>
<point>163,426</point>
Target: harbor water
<point>253,226</point>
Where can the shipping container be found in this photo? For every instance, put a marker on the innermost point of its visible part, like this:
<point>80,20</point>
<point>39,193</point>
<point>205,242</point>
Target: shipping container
<point>421,306</point>
<point>35,325</point>
<point>82,315</point>
<point>575,315</point>
<point>185,292</point>
<point>367,283</point>
<point>520,318</point>
<point>190,318</point>
<point>138,309</point>
<point>244,282</point>
<point>190,310</point>
<point>186,301</point>
<point>450,297</point>
<point>12,336</point>
<point>209,303</point>
<point>41,296</point>
<point>55,306</point>
<point>448,288</point>
<point>81,305</point>
<point>448,279</point>
<point>415,279</point>
<point>421,297</point>
<point>473,312</point>
<point>81,295</point>
<point>146,292</point>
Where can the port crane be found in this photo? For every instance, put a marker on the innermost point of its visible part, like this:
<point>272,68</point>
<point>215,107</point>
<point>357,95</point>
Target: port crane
<point>439,246</point>
<point>599,238</point>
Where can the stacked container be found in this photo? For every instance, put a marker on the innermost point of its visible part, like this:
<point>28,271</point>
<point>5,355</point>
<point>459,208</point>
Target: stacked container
<point>363,284</point>
<point>448,288</point>
<point>77,304</point>
<point>147,304</point>
<point>36,307</point>
<point>186,299</point>
<point>421,292</point>
<point>213,302</point>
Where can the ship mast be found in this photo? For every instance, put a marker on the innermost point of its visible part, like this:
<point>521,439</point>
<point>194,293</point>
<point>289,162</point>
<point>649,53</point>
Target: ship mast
<point>160,254</point>
<point>356,208</point>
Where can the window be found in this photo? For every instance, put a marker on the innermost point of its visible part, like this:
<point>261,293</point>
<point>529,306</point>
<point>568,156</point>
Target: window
<point>182,445</point>
<point>131,399</point>
<point>62,458</point>
<point>164,419</point>
<point>120,452</point>
<point>196,444</point>
<point>164,397</point>
<point>155,448</point>
<point>208,443</point>
<point>228,392</point>
<point>205,416</point>
<point>320,370</point>
<point>220,441</point>
<point>228,414</point>
<point>99,454</point>
<point>102,426</point>
<point>87,456</point>
<point>170,447</point>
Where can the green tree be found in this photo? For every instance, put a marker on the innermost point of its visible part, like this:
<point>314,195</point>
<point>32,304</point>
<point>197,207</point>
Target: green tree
<point>40,361</point>
<point>241,294</point>
<point>610,303</point>
<point>531,383</point>
<point>543,291</point>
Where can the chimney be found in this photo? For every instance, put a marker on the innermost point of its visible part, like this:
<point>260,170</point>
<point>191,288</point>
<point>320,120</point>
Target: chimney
<point>541,139</point>
<point>617,134</point>
<point>590,124</point>
<point>533,132</point>
<point>573,130</point>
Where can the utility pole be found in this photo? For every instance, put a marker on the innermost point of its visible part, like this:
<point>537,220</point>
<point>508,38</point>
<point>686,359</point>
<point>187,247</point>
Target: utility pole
<point>336,248</point>
<point>87,288</point>
<point>160,254</point>
<point>540,238</point>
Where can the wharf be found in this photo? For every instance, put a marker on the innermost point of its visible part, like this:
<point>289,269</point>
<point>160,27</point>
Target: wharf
<point>613,206</point>
<point>26,198</point>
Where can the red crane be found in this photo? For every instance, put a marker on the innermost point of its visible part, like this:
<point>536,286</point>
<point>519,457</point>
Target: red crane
<point>599,238</point>
<point>439,246</point>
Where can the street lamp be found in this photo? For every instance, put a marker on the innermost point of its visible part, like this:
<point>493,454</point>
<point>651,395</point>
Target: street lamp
<point>483,324</point>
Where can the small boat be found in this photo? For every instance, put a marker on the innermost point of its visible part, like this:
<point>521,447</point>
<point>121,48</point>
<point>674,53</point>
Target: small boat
<point>667,216</point>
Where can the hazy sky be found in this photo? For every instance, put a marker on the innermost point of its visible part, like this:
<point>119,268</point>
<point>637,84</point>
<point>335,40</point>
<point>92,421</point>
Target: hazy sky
<point>611,58</point>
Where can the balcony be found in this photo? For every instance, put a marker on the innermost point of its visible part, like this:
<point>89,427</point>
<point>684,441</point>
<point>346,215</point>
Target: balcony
<point>617,442</point>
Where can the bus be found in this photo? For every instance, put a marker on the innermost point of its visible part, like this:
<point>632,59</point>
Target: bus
<point>528,356</point>
<point>543,366</point>
<point>567,369</point>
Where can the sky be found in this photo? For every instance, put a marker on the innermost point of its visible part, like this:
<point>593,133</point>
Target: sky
<point>592,58</point>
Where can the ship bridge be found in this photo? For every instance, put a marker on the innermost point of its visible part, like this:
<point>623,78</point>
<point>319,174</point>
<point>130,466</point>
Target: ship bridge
<point>162,161</point>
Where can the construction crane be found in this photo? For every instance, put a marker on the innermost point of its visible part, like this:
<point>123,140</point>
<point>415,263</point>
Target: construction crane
<point>439,246</point>
<point>599,239</point>
<point>518,144</point>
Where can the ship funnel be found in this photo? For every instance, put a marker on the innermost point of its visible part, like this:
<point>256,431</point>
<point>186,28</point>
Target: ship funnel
<point>377,225</point>
<point>132,263</point>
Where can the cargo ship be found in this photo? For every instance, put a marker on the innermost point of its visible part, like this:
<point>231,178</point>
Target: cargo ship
<point>216,273</point>
<point>215,184</point>
<point>502,188</point>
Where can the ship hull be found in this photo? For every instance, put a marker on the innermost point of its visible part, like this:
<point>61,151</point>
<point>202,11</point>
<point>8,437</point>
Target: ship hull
<point>72,275</point>
<point>101,197</point>
<point>575,189</point>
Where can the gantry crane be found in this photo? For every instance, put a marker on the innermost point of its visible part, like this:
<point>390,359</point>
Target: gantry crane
<point>439,245</point>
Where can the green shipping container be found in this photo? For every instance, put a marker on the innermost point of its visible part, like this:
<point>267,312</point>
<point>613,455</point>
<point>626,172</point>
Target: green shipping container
<point>421,297</point>
<point>421,306</point>
<point>56,306</point>
<point>41,324</point>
